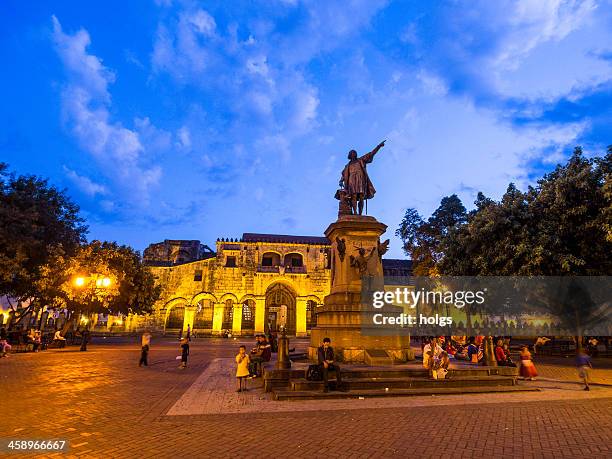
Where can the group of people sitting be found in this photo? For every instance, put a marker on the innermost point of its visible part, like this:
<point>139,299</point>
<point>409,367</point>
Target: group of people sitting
<point>32,339</point>
<point>437,352</point>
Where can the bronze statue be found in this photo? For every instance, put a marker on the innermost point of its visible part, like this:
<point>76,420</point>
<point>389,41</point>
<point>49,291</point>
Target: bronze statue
<point>341,245</point>
<point>383,247</point>
<point>361,261</point>
<point>355,180</point>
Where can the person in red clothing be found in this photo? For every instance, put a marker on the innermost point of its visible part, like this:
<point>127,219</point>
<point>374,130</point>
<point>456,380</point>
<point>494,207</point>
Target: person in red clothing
<point>500,354</point>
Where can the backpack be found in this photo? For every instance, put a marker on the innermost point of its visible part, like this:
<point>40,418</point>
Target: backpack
<point>314,373</point>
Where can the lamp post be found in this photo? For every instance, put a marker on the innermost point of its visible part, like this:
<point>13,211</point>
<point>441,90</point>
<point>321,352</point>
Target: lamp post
<point>96,284</point>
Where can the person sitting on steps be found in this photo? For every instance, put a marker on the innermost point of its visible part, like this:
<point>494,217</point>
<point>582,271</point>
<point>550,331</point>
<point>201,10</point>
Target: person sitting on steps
<point>325,355</point>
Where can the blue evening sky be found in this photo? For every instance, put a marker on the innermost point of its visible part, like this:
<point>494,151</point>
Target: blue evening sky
<point>198,120</point>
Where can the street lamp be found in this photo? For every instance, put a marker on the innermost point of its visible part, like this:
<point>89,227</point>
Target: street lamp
<point>96,283</point>
<point>103,282</point>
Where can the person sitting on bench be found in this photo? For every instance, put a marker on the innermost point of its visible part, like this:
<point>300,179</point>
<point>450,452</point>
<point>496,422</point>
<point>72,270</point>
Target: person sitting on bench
<point>59,339</point>
<point>325,355</point>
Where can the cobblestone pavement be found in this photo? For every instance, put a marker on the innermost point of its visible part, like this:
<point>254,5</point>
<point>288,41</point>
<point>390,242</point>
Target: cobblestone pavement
<point>105,406</point>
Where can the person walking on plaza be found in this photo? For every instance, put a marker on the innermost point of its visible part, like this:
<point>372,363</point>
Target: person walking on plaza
<point>84,339</point>
<point>528,369</point>
<point>184,352</point>
<point>325,355</point>
<point>4,345</point>
<point>188,336</point>
<point>144,350</point>
<point>242,369</point>
<point>584,365</point>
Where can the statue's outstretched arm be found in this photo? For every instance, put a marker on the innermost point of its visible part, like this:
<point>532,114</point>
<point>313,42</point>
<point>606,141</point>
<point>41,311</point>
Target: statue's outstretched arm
<point>368,157</point>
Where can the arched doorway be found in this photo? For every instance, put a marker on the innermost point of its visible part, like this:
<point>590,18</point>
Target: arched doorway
<point>280,308</point>
<point>176,318</point>
<point>203,320</point>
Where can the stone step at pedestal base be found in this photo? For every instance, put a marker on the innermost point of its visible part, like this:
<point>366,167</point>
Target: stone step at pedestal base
<point>289,395</point>
<point>351,383</point>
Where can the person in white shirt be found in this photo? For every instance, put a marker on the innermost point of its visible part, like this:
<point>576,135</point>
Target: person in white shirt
<point>435,349</point>
<point>59,339</point>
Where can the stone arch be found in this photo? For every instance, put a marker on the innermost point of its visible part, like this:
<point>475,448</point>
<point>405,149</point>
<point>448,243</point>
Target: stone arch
<point>314,298</point>
<point>277,257</point>
<point>175,316</point>
<point>280,307</point>
<point>248,296</point>
<point>204,314</point>
<point>168,305</point>
<point>282,280</point>
<point>293,259</point>
<point>228,296</point>
<point>203,296</point>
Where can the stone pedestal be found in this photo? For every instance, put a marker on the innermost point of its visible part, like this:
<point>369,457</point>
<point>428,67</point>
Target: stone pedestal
<point>355,243</point>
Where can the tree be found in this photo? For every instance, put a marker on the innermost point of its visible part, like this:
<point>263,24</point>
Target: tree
<point>39,227</point>
<point>112,278</point>
<point>561,227</point>
<point>423,240</point>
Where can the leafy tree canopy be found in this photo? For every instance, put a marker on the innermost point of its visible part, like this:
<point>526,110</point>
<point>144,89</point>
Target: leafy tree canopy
<point>39,226</point>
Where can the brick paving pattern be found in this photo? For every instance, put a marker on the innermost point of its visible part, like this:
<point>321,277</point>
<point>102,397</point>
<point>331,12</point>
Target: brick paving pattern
<point>106,406</point>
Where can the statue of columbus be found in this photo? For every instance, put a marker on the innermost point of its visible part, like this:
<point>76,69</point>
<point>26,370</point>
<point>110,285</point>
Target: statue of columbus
<point>355,184</point>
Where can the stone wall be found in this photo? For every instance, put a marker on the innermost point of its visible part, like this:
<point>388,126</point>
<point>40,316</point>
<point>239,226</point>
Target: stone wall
<point>243,278</point>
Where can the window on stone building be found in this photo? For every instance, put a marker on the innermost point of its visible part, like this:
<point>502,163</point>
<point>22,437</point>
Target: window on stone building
<point>197,275</point>
<point>270,259</point>
<point>230,262</point>
<point>294,260</point>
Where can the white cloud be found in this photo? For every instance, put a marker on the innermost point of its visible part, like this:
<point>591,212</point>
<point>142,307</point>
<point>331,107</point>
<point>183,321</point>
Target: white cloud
<point>85,184</point>
<point>86,70</point>
<point>202,22</point>
<point>119,151</point>
<point>181,50</point>
<point>533,22</point>
<point>184,138</point>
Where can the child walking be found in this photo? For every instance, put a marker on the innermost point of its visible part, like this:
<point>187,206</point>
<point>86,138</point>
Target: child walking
<point>528,369</point>
<point>184,352</point>
<point>242,368</point>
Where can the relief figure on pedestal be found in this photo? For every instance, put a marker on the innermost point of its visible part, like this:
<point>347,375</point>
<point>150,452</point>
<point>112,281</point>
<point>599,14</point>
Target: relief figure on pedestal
<point>361,261</point>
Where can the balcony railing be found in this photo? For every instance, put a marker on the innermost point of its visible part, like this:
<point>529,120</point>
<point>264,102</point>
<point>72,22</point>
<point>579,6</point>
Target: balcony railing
<point>279,269</point>
<point>295,269</point>
<point>268,269</point>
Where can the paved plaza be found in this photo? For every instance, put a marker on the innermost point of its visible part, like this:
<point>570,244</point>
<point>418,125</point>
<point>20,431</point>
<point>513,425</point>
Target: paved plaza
<point>104,405</point>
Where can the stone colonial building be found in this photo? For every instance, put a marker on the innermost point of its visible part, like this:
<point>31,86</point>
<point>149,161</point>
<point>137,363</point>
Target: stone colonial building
<point>249,285</point>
